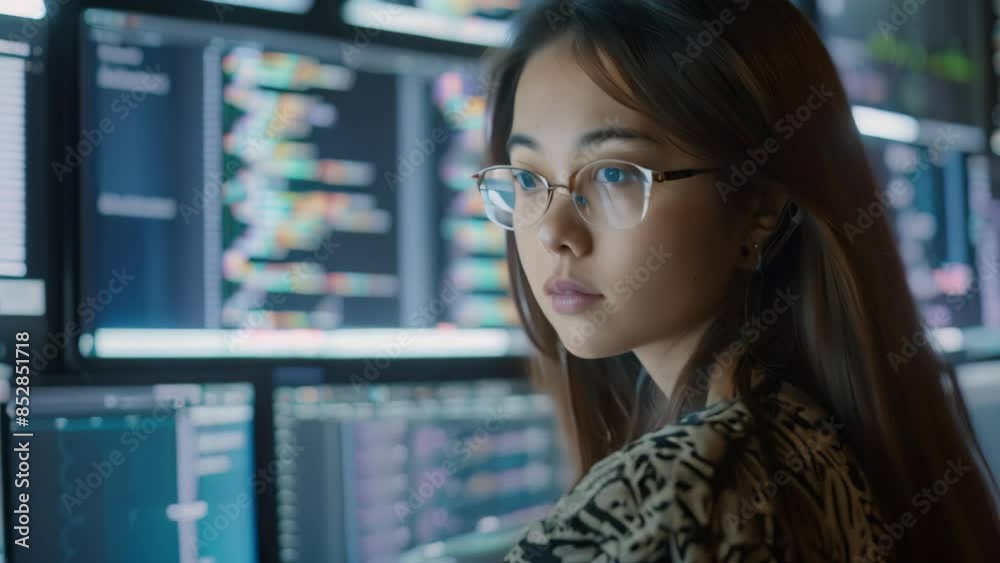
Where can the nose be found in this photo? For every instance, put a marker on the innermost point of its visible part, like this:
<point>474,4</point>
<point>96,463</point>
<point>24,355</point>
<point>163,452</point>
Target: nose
<point>561,229</point>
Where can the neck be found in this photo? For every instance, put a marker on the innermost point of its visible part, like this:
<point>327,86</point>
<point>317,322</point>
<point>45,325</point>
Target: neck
<point>664,359</point>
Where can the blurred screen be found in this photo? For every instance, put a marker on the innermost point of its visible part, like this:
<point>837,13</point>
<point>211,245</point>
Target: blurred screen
<point>296,189</point>
<point>287,6</point>
<point>940,208</point>
<point>33,9</point>
<point>480,22</point>
<point>472,256</point>
<point>980,386</point>
<point>23,229</point>
<point>159,474</point>
<point>401,473</point>
<point>924,59</point>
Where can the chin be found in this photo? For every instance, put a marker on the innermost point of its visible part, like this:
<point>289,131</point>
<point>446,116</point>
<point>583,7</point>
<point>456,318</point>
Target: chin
<point>592,347</point>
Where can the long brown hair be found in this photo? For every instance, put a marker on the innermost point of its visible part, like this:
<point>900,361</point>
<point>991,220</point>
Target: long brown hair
<point>725,76</point>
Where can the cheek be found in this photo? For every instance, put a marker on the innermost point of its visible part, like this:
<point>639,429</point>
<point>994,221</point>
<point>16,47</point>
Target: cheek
<point>679,259</point>
<point>534,261</point>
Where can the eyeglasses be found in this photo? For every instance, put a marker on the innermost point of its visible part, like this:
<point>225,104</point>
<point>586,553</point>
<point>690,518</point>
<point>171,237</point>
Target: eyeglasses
<point>605,193</point>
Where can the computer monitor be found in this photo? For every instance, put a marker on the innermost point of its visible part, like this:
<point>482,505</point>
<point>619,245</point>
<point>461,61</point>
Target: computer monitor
<point>284,6</point>
<point>931,62</point>
<point>417,472</point>
<point>23,228</point>
<point>979,383</point>
<point>293,202</point>
<point>476,22</point>
<point>28,9</point>
<point>161,474</point>
<point>938,203</point>
<point>472,252</point>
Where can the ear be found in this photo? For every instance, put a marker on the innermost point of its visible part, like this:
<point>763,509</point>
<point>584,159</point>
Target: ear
<point>764,214</point>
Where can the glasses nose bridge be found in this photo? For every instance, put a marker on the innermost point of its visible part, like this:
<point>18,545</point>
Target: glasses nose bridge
<point>564,190</point>
<point>561,189</point>
<point>565,187</point>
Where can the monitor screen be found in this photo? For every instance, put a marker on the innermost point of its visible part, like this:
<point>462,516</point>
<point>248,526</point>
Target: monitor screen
<point>472,252</point>
<point>928,62</point>
<point>286,6</point>
<point>980,385</point>
<point>23,230</point>
<point>160,474</point>
<point>940,210</point>
<point>407,473</point>
<point>31,9</point>
<point>301,197</point>
<point>477,22</point>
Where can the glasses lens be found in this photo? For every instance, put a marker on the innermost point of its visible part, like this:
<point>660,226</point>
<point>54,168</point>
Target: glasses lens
<point>514,197</point>
<point>612,194</point>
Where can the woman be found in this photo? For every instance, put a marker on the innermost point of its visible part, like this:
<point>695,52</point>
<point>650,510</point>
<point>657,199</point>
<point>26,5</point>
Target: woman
<point>682,182</point>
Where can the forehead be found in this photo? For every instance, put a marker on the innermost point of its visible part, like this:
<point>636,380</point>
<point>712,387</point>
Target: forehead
<point>556,100</point>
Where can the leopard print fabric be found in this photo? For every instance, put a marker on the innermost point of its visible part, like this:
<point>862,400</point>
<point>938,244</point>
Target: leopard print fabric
<point>702,491</point>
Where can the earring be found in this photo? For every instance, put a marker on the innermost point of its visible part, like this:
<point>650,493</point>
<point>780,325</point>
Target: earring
<point>745,250</point>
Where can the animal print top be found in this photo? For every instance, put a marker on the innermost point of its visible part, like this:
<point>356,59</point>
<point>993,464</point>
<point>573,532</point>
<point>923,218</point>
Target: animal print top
<point>701,491</point>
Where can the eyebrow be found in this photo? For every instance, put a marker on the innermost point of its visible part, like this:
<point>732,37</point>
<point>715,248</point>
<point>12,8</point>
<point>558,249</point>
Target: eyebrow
<point>590,138</point>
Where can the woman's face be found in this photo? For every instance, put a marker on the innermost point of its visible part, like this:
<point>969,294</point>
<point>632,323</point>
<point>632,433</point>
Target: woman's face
<point>647,285</point>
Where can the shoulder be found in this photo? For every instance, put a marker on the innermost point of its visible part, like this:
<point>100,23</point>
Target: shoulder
<point>698,490</point>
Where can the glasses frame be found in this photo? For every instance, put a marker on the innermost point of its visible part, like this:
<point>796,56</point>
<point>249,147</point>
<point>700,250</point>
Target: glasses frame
<point>650,175</point>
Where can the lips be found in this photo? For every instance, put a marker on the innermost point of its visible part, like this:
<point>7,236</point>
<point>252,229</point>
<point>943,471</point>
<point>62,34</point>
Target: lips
<point>569,296</point>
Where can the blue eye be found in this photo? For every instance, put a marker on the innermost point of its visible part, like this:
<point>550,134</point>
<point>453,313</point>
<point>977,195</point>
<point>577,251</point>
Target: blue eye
<point>610,174</point>
<point>526,179</point>
<point>614,175</point>
<point>580,201</point>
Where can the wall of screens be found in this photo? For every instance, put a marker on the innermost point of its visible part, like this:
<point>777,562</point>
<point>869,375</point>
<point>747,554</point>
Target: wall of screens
<point>268,220</point>
<point>258,194</point>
